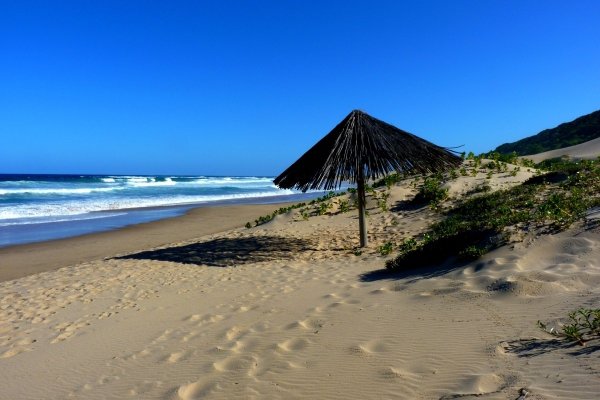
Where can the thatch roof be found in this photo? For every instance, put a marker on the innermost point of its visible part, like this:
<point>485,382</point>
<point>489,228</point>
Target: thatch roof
<point>363,145</point>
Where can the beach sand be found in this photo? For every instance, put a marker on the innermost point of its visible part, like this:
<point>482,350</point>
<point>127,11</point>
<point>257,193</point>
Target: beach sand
<point>191,309</point>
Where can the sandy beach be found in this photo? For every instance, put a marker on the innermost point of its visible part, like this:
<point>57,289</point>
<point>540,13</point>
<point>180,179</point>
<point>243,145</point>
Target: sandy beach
<point>201,307</point>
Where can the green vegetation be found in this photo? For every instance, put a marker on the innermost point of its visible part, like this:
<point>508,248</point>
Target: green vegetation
<point>389,180</point>
<point>584,326</point>
<point>382,199</point>
<point>510,158</point>
<point>266,218</point>
<point>344,206</point>
<point>472,252</point>
<point>386,248</point>
<point>328,196</point>
<point>432,192</point>
<point>479,224</point>
<point>580,130</point>
<point>323,207</point>
<point>323,204</point>
<point>304,214</point>
<point>482,188</point>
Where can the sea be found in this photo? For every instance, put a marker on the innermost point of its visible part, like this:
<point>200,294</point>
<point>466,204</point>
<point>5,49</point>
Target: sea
<point>36,208</point>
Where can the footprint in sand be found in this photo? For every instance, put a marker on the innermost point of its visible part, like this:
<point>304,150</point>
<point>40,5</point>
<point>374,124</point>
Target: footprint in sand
<point>336,304</point>
<point>205,319</point>
<point>13,352</point>
<point>389,373</point>
<point>260,326</point>
<point>480,384</point>
<point>67,330</point>
<point>235,347</point>
<point>270,365</point>
<point>193,318</point>
<point>189,336</point>
<point>143,388</point>
<point>292,345</point>
<point>176,357</point>
<point>234,363</point>
<point>306,324</point>
<point>379,291</point>
<point>369,348</point>
<point>235,333</point>
<point>196,390</point>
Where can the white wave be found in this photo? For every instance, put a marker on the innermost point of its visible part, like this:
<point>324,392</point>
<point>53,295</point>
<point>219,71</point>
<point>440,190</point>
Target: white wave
<point>61,191</point>
<point>67,208</point>
<point>229,181</point>
<point>151,182</point>
<point>119,183</point>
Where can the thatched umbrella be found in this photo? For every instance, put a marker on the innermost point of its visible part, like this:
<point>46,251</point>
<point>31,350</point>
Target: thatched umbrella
<point>360,148</point>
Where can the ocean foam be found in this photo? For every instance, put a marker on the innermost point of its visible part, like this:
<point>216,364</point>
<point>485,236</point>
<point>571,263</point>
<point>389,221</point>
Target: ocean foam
<point>70,208</point>
<point>152,182</point>
<point>59,191</point>
<point>226,181</point>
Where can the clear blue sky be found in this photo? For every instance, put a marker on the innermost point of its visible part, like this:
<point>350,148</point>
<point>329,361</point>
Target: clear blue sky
<point>245,87</point>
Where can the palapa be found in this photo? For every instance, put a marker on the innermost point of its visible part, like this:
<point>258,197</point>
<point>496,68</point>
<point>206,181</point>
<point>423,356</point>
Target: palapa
<point>363,148</point>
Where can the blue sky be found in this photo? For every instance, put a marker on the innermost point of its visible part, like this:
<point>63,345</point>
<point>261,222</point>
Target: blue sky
<point>245,87</point>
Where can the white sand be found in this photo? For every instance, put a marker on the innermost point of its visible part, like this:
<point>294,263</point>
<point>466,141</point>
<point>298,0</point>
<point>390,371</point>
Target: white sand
<point>300,316</point>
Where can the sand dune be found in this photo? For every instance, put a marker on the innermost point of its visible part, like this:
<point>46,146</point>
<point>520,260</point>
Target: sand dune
<point>583,151</point>
<point>288,310</point>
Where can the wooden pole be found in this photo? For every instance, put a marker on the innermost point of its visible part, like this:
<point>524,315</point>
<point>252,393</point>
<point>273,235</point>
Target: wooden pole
<point>362,221</point>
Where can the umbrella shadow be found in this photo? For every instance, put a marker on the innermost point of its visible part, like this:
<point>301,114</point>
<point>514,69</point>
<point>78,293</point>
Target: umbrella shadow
<point>407,205</point>
<point>418,273</point>
<point>226,252</point>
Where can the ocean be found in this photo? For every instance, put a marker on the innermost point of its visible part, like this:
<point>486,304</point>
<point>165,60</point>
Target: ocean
<point>43,207</point>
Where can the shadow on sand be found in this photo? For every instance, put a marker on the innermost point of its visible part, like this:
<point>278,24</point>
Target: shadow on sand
<point>413,274</point>
<point>407,205</point>
<point>226,252</point>
<point>535,347</point>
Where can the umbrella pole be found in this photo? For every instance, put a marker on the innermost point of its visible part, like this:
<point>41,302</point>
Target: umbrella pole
<point>362,221</point>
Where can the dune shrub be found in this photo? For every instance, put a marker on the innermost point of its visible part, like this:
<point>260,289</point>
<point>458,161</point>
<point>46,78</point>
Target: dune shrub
<point>389,180</point>
<point>386,248</point>
<point>583,326</point>
<point>431,191</point>
<point>477,224</point>
<point>344,206</point>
